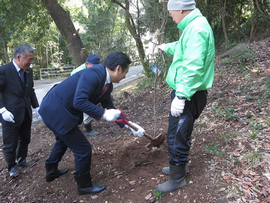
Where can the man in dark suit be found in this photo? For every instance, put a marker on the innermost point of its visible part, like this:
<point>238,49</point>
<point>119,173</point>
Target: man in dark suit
<point>91,60</point>
<point>62,111</point>
<point>17,95</point>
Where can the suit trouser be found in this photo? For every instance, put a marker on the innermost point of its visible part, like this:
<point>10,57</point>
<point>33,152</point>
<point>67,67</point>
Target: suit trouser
<point>180,128</point>
<point>16,140</point>
<point>78,144</point>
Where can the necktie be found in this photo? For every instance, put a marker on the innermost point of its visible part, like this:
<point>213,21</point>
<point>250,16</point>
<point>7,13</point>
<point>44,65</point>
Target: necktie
<point>21,74</point>
<point>105,89</point>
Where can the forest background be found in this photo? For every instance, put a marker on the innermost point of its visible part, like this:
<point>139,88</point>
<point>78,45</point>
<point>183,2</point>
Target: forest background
<point>64,32</point>
<point>229,160</point>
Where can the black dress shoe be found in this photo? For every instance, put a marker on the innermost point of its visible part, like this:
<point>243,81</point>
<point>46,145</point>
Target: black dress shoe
<point>24,164</point>
<point>14,172</point>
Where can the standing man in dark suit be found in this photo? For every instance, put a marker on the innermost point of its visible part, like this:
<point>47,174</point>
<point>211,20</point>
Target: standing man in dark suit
<point>62,111</point>
<point>17,95</point>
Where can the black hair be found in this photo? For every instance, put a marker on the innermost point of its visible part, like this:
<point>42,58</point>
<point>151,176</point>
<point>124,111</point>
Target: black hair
<point>22,49</point>
<point>117,58</point>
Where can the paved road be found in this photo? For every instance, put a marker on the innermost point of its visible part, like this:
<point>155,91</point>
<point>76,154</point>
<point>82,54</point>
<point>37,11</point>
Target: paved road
<point>43,86</point>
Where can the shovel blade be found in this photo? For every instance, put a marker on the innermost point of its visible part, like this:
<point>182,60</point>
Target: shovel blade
<point>156,142</point>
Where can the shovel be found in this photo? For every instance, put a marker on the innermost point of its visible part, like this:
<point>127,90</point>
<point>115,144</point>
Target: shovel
<point>154,142</point>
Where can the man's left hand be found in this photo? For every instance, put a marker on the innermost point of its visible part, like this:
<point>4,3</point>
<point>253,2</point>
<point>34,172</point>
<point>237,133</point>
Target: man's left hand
<point>139,132</point>
<point>177,106</point>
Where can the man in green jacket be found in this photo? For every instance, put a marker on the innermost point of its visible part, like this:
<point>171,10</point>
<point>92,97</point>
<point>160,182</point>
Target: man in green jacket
<point>91,60</point>
<point>190,74</point>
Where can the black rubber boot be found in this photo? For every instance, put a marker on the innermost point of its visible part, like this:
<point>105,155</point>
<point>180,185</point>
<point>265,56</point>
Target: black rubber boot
<point>89,130</point>
<point>166,170</point>
<point>85,185</point>
<point>14,172</point>
<point>88,127</point>
<point>21,152</point>
<point>22,163</point>
<point>10,160</point>
<point>176,180</point>
<point>52,171</point>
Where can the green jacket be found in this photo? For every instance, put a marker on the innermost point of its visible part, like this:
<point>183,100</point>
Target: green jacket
<point>81,67</point>
<point>192,68</point>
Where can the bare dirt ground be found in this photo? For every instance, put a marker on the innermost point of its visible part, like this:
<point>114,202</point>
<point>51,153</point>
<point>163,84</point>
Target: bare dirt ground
<point>229,158</point>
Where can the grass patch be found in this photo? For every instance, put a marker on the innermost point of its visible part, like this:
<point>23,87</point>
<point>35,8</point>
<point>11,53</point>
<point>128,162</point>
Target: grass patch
<point>213,149</point>
<point>158,195</point>
<point>253,158</point>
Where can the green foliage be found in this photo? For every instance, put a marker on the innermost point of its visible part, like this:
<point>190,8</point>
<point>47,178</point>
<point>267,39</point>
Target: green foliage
<point>217,110</point>
<point>104,29</point>
<point>255,129</point>
<point>24,24</point>
<point>226,137</point>
<point>238,20</point>
<point>213,149</point>
<point>146,82</point>
<point>253,158</point>
<point>250,98</point>
<point>158,195</point>
<point>234,160</point>
<point>151,77</point>
<point>227,113</point>
<point>31,24</point>
<point>230,114</point>
<point>266,81</point>
<point>268,120</point>
<point>241,58</point>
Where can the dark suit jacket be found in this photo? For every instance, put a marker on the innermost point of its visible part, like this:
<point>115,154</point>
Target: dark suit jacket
<point>63,106</point>
<point>14,95</point>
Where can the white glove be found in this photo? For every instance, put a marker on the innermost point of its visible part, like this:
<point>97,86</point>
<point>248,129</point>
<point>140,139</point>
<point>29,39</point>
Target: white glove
<point>111,114</point>
<point>161,47</point>
<point>177,106</point>
<point>37,114</point>
<point>7,116</point>
<point>139,132</point>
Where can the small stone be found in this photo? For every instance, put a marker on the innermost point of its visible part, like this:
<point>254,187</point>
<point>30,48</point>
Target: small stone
<point>222,189</point>
<point>148,196</point>
<point>94,197</point>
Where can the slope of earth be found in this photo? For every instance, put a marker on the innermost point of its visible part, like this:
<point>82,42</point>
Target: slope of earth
<point>229,158</point>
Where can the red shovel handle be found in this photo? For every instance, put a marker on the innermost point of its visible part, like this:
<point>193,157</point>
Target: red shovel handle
<point>122,120</point>
<point>125,121</point>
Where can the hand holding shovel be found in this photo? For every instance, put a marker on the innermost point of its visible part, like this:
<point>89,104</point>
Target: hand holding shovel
<point>155,142</point>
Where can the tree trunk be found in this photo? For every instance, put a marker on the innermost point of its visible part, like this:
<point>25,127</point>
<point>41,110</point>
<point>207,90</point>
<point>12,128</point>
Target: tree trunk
<point>132,29</point>
<point>252,21</point>
<point>68,31</point>
<point>162,36</point>
<point>223,10</point>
